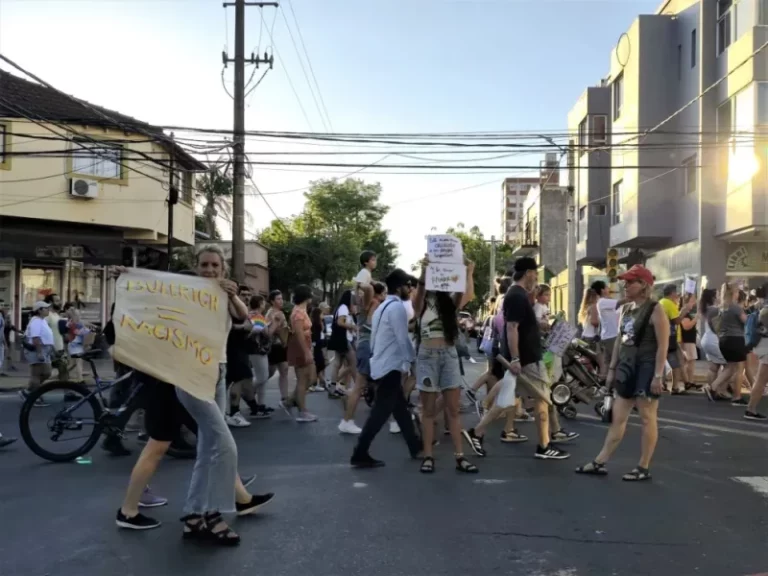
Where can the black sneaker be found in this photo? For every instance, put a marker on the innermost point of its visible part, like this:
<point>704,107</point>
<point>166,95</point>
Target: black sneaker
<point>475,442</point>
<point>550,453</point>
<point>740,402</point>
<point>755,416</point>
<point>257,501</point>
<point>513,437</point>
<point>142,437</point>
<point>365,462</point>
<point>138,522</point>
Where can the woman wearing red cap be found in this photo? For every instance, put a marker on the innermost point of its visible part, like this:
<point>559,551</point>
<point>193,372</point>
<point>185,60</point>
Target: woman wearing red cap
<point>636,372</point>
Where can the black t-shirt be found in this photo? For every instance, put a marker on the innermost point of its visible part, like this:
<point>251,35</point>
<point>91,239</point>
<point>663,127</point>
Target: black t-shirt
<point>517,308</point>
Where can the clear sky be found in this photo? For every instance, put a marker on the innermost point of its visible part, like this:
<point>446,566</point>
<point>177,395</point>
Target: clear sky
<point>381,65</point>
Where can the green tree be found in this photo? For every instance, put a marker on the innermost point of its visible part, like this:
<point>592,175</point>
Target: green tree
<point>323,243</point>
<point>478,249</point>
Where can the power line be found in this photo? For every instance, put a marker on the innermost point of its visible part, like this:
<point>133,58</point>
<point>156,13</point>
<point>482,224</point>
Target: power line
<point>288,76</point>
<point>328,125</point>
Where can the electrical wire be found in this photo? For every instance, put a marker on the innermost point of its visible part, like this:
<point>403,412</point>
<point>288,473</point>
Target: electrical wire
<point>325,123</point>
<point>285,69</point>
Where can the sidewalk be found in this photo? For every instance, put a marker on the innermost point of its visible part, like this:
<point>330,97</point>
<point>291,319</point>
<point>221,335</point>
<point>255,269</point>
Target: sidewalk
<point>17,379</point>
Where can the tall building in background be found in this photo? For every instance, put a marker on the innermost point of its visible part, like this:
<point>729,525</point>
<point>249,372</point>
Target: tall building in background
<point>514,192</point>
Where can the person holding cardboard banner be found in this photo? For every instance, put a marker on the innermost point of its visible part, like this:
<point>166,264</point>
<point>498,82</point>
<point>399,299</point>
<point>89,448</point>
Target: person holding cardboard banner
<point>437,362</point>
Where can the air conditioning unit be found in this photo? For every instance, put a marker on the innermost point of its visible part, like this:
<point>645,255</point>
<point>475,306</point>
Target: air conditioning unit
<point>82,188</point>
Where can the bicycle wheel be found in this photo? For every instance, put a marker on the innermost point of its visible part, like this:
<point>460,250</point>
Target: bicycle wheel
<point>54,410</point>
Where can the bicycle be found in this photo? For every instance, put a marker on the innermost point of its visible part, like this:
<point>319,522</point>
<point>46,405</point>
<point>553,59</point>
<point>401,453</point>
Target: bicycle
<point>75,395</point>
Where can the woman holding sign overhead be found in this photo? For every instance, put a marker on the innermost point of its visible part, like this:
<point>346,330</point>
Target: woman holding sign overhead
<point>437,363</point>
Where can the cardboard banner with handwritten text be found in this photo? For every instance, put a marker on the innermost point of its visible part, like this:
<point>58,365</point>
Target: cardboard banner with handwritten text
<point>446,277</point>
<point>172,327</point>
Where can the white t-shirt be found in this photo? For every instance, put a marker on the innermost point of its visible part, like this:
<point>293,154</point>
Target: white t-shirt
<point>38,328</point>
<point>364,276</point>
<point>343,311</point>
<point>609,318</point>
<point>541,311</point>
<point>409,309</point>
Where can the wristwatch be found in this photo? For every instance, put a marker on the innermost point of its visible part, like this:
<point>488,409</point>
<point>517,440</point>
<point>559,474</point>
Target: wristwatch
<point>514,360</point>
<point>659,377</point>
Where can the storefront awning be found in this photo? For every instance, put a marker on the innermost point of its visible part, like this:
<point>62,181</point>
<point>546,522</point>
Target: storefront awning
<point>29,238</point>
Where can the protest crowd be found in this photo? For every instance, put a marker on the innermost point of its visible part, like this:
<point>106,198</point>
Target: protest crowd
<point>208,351</point>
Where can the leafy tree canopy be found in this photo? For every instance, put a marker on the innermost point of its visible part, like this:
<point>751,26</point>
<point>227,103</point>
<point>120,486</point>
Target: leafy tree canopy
<point>323,243</point>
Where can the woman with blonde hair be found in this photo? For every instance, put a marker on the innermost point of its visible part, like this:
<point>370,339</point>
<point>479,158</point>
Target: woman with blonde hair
<point>589,318</point>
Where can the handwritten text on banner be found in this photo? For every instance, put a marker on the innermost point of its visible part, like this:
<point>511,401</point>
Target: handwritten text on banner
<point>445,249</point>
<point>446,277</point>
<point>171,327</point>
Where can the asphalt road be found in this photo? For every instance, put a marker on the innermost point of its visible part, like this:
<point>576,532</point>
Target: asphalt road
<point>518,516</point>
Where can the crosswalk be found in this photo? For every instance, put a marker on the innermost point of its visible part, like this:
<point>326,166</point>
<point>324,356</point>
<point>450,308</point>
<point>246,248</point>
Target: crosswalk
<point>758,483</point>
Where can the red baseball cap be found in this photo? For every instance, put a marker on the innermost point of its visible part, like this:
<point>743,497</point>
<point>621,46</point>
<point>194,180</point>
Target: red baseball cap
<point>638,272</point>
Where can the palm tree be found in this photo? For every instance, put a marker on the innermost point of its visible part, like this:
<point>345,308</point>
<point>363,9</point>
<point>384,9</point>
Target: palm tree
<point>215,189</point>
<point>214,192</point>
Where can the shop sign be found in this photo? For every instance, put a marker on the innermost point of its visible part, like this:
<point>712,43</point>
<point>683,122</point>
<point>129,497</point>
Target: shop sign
<point>59,252</point>
<point>750,257</point>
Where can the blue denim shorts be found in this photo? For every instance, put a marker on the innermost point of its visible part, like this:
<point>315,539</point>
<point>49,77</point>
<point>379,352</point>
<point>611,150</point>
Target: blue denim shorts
<point>437,369</point>
<point>364,357</point>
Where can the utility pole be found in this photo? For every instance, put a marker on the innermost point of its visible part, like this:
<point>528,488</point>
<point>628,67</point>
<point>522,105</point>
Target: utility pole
<point>492,283</point>
<point>173,199</point>
<point>238,172</point>
<point>573,296</point>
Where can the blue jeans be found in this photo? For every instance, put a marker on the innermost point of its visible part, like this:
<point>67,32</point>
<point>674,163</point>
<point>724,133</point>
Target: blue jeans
<point>212,487</point>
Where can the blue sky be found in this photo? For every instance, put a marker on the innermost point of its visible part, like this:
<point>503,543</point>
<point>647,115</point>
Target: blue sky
<point>381,65</point>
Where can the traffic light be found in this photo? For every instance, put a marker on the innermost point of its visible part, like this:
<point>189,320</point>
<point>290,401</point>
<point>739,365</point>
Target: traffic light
<point>612,265</point>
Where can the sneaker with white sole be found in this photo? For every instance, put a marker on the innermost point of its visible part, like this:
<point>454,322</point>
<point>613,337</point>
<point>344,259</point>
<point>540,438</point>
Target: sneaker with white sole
<point>150,500</point>
<point>394,428</point>
<point>237,420</point>
<point>305,417</point>
<point>138,522</point>
<point>551,453</point>
<point>349,427</point>
<point>525,417</point>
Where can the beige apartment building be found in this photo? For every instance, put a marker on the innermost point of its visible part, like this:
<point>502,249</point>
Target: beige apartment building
<point>69,207</point>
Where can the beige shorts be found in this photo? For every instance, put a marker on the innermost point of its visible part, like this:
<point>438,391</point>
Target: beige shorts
<point>533,382</point>
<point>689,349</point>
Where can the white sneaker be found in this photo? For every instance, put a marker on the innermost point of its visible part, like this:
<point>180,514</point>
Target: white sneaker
<point>349,427</point>
<point>394,428</point>
<point>305,417</point>
<point>237,420</point>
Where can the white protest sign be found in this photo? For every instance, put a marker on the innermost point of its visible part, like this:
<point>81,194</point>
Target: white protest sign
<point>446,277</point>
<point>560,337</point>
<point>444,249</point>
<point>689,286</point>
<point>172,327</point>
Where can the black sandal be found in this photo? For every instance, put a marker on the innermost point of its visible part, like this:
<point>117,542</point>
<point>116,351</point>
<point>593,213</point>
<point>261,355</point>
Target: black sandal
<point>464,465</point>
<point>225,537</point>
<point>593,469</point>
<point>427,465</point>
<point>637,475</point>
<point>193,530</point>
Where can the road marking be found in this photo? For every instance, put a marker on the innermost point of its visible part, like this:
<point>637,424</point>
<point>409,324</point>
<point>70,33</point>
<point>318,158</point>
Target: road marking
<point>490,481</point>
<point>758,483</point>
<point>359,485</point>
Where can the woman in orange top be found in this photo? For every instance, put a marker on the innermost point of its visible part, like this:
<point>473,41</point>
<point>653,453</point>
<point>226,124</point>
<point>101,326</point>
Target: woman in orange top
<point>300,352</point>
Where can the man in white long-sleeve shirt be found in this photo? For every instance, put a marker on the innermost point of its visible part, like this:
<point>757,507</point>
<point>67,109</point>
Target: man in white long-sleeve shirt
<point>392,357</point>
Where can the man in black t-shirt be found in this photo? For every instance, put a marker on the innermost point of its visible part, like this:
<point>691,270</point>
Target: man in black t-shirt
<point>521,347</point>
